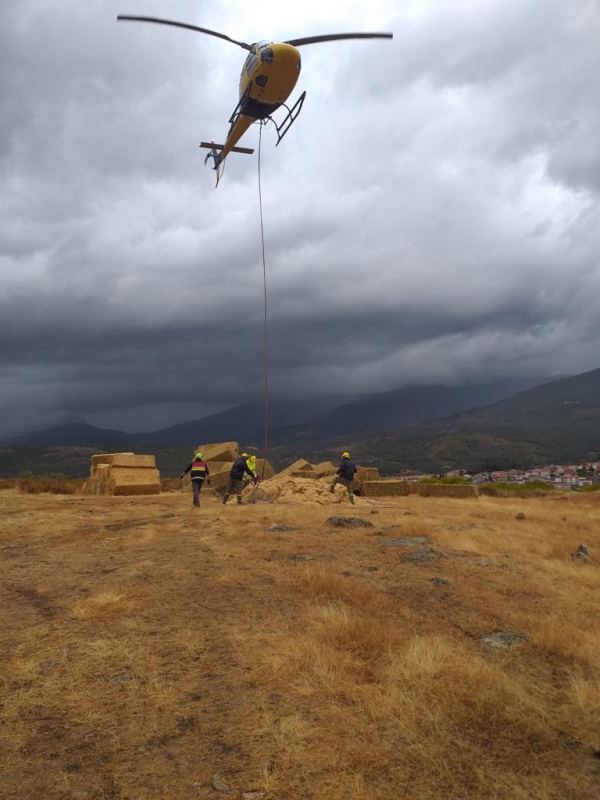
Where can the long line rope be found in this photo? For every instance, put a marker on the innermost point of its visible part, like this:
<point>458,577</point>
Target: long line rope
<point>266,325</point>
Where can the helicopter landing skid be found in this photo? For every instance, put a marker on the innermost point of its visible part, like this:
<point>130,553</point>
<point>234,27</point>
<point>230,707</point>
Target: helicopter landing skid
<point>289,119</point>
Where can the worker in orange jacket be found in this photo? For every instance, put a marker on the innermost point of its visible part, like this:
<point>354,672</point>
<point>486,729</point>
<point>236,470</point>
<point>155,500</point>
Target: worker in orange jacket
<point>200,473</point>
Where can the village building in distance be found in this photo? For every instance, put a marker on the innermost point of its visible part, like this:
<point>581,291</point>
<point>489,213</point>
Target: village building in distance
<point>571,476</point>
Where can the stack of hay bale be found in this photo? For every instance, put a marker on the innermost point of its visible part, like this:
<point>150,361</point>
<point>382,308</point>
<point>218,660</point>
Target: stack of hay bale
<point>284,487</point>
<point>119,474</point>
<point>367,481</point>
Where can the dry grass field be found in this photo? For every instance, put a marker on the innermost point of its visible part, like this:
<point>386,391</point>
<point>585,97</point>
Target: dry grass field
<point>152,650</point>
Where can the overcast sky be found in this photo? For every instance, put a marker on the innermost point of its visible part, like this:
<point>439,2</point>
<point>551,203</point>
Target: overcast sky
<point>432,216</point>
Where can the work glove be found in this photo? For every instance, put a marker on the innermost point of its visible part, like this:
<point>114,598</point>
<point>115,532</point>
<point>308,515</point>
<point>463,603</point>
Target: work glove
<point>208,481</point>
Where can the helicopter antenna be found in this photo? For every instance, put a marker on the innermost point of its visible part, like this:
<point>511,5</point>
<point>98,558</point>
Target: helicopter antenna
<point>159,21</point>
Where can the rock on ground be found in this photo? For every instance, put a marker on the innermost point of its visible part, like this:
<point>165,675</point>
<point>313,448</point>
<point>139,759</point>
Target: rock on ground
<point>349,522</point>
<point>407,541</point>
<point>424,556</point>
<point>581,554</point>
<point>501,640</point>
<point>220,785</point>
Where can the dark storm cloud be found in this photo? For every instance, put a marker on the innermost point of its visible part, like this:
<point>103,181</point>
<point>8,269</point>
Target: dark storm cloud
<point>433,216</point>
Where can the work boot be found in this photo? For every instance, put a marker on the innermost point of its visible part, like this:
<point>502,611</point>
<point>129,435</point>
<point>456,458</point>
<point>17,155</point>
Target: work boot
<point>239,501</point>
<point>352,499</point>
<point>225,499</point>
<point>331,489</point>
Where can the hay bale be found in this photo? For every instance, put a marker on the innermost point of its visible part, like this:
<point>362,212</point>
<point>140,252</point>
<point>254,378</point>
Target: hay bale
<point>370,473</point>
<point>447,490</point>
<point>218,481</point>
<point>266,492</point>
<point>325,469</point>
<point>389,488</point>
<point>97,483</point>
<point>219,466</point>
<point>298,466</point>
<point>364,474</point>
<point>104,459</point>
<point>131,460</point>
<point>220,451</point>
<point>293,491</point>
<point>304,473</point>
<point>129,481</point>
<point>264,469</point>
<point>122,474</point>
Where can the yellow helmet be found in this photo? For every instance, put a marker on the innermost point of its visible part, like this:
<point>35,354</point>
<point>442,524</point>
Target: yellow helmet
<point>345,455</point>
<point>252,458</point>
<point>245,455</point>
<point>199,455</point>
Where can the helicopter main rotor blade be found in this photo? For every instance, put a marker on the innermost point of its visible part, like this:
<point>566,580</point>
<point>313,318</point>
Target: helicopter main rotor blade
<point>334,37</point>
<point>126,18</point>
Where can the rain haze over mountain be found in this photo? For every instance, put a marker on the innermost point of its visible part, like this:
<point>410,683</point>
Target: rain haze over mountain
<point>431,218</point>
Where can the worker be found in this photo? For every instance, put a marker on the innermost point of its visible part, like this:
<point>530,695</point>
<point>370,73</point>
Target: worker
<point>200,472</point>
<point>236,478</point>
<point>252,466</point>
<point>345,476</point>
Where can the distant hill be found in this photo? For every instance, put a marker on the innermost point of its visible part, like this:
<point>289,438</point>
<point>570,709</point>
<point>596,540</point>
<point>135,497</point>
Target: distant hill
<point>241,422</point>
<point>73,434</point>
<point>565,401</point>
<point>557,422</point>
<point>307,418</point>
<point>406,407</point>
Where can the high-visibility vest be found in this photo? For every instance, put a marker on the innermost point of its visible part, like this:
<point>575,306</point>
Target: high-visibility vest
<point>198,469</point>
<point>252,468</point>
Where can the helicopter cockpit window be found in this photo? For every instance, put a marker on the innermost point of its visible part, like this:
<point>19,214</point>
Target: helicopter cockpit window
<point>249,64</point>
<point>266,56</point>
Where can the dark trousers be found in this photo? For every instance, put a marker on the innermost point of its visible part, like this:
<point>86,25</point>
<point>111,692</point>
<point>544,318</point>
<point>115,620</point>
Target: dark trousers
<point>196,486</point>
<point>234,487</point>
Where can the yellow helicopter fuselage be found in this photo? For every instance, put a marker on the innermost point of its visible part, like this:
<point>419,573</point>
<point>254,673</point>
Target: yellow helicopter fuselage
<point>268,77</point>
<point>271,73</point>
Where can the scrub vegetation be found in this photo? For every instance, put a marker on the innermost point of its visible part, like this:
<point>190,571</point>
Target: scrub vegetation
<point>146,646</point>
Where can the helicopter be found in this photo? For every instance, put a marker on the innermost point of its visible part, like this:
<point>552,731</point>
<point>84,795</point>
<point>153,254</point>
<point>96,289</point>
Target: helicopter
<point>269,75</point>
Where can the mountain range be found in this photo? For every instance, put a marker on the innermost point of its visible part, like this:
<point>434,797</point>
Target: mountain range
<point>425,429</point>
<point>557,422</point>
<point>309,418</point>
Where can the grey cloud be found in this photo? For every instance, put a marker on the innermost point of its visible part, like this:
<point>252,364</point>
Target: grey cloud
<point>431,217</point>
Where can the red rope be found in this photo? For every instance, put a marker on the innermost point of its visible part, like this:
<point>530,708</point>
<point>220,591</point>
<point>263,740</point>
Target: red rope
<point>266,327</point>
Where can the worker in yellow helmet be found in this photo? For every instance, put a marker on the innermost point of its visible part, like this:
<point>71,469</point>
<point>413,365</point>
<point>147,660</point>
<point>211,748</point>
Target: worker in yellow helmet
<point>345,476</point>
<point>235,484</point>
<point>251,462</point>
<point>200,472</point>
